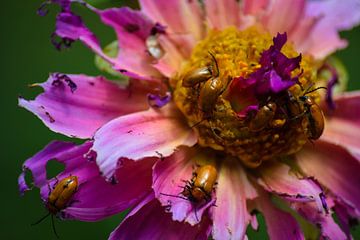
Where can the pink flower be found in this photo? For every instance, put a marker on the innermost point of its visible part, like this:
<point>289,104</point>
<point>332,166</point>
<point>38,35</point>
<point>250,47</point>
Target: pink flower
<point>230,85</point>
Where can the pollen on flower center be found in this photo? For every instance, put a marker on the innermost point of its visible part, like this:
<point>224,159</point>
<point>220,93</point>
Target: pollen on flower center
<point>245,93</point>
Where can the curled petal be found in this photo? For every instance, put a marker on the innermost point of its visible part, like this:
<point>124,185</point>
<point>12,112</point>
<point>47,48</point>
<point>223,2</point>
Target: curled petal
<point>347,216</point>
<point>144,134</point>
<point>277,178</point>
<point>95,198</point>
<point>80,104</point>
<point>280,225</point>
<point>230,215</point>
<point>335,168</point>
<point>149,220</point>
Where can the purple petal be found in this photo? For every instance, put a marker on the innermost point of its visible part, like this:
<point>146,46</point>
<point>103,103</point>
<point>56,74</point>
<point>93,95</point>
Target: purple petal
<point>280,224</point>
<point>79,105</point>
<point>230,216</point>
<point>329,229</point>
<point>95,198</point>
<point>347,216</point>
<point>144,134</point>
<point>150,221</point>
<point>278,178</point>
<point>158,101</point>
<point>332,166</point>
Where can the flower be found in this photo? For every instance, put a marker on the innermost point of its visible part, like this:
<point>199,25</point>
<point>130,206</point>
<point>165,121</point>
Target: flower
<point>223,85</point>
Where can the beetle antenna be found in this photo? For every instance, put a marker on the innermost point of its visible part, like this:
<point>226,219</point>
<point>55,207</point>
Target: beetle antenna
<point>198,123</point>
<point>53,226</point>
<point>40,220</point>
<point>216,64</point>
<point>170,195</point>
<point>307,92</point>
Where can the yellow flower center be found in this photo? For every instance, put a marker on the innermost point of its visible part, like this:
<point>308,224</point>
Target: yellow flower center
<point>281,125</point>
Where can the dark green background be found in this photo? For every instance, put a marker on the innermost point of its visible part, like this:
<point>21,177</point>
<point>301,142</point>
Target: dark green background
<point>27,57</point>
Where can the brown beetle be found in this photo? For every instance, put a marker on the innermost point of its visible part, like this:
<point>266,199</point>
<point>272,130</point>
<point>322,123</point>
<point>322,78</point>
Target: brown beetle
<point>314,116</point>
<point>201,185</point>
<point>263,117</point>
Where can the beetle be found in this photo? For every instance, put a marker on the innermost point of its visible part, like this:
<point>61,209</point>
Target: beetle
<point>315,117</point>
<point>200,75</point>
<point>201,184</point>
<point>263,117</point>
<point>59,198</point>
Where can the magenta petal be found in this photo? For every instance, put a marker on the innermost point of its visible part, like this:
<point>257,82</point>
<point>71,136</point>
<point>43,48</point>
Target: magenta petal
<point>79,106</point>
<point>168,178</point>
<point>95,198</point>
<point>280,225</point>
<point>277,178</point>
<point>132,29</point>
<point>329,229</point>
<point>333,16</point>
<point>335,168</point>
<point>346,215</point>
<point>230,216</point>
<point>144,134</point>
<point>150,221</point>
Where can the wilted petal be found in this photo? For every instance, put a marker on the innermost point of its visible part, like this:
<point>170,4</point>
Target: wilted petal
<point>280,225</point>
<point>329,229</point>
<point>78,105</point>
<point>343,125</point>
<point>333,16</point>
<point>149,220</point>
<point>278,178</point>
<point>335,168</point>
<point>144,134</point>
<point>230,215</point>
<point>95,198</point>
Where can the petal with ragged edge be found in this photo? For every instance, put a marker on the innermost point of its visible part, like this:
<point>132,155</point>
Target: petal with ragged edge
<point>342,125</point>
<point>278,178</point>
<point>333,16</point>
<point>149,220</point>
<point>230,216</point>
<point>144,134</point>
<point>168,183</point>
<point>95,198</point>
<point>335,168</point>
<point>329,229</point>
<point>78,105</point>
<point>280,225</point>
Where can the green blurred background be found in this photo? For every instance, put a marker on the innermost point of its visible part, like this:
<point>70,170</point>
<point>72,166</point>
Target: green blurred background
<point>28,57</point>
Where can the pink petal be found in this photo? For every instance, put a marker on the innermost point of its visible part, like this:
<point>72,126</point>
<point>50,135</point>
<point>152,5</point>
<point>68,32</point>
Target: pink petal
<point>180,17</point>
<point>343,125</point>
<point>277,178</point>
<point>222,13</point>
<point>283,15</point>
<point>230,215</point>
<point>334,16</point>
<point>144,134</point>
<point>132,29</point>
<point>335,168</point>
<point>280,225</point>
<point>252,7</point>
<point>346,215</point>
<point>168,178</point>
<point>95,198</point>
<point>329,229</point>
<point>150,221</point>
<point>78,111</point>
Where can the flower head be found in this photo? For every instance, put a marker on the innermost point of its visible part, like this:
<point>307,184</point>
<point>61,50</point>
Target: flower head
<point>222,102</point>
